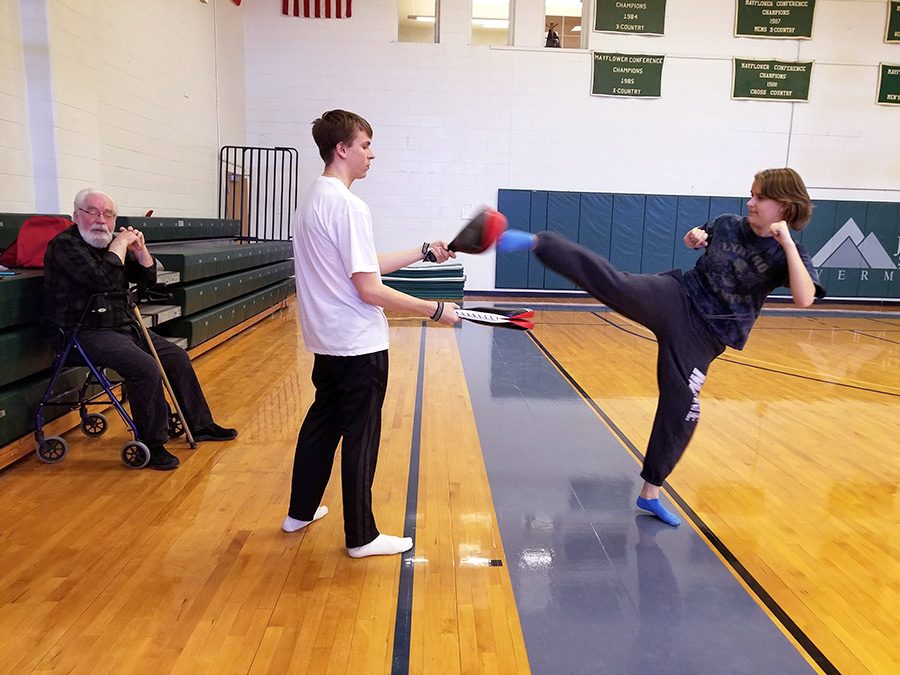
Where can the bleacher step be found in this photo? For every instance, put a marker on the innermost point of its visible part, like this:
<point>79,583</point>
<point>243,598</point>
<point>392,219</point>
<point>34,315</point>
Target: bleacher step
<point>154,315</point>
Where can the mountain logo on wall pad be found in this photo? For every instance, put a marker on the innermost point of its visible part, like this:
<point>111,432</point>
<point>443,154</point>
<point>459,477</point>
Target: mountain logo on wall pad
<point>850,248</point>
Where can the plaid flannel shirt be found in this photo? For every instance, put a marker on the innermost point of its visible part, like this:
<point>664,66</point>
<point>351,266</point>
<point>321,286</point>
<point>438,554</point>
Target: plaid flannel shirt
<point>74,271</point>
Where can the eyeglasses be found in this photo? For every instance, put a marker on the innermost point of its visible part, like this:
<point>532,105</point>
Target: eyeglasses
<point>95,213</point>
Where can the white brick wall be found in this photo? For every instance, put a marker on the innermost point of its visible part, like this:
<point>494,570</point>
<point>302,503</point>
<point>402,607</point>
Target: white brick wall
<point>16,169</point>
<point>453,123</point>
<point>143,94</point>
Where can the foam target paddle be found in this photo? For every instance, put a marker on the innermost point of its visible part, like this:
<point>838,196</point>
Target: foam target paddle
<point>517,319</point>
<point>478,235</point>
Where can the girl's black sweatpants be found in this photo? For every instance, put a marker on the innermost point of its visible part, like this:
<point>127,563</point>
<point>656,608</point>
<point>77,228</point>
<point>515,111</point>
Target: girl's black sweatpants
<point>686,347</point>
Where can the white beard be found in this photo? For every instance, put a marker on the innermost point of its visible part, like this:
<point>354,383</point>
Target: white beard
<point>99,238</point>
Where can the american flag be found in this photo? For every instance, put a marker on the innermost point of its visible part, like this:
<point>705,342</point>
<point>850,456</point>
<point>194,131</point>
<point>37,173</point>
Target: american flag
<point>319,9</point>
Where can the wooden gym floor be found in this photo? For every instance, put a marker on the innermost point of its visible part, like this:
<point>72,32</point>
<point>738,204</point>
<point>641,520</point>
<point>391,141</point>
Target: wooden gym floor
<point>513,459</point>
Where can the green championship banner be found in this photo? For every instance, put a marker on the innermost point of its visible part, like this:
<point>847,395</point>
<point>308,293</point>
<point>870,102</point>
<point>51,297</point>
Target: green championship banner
<point>892,32</point>
<point>644,17</point>
<point>635,75</point>
<point>889,84</point>
<point>771,80</point>
<point>790,19</point>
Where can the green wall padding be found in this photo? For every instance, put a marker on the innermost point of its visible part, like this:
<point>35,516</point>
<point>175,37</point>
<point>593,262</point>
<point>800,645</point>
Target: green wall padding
<point>854,245</point>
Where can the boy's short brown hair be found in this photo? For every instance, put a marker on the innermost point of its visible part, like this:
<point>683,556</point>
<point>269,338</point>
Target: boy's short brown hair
<point>337,126</point>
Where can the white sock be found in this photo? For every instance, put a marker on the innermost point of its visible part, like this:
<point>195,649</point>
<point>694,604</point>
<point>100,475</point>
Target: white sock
<point>292,524</point>
<point>383,544</point>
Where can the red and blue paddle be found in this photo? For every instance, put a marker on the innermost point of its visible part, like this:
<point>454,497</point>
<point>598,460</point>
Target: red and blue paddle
<point>478,235</point>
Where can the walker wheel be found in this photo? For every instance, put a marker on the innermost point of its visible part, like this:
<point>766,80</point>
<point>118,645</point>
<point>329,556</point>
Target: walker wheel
<point>94,424</point>
<point>52,449</point>
<point>135,455</point>
<point>176,428</point>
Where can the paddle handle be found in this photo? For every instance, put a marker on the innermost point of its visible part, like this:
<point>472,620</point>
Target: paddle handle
<point>498,320</point>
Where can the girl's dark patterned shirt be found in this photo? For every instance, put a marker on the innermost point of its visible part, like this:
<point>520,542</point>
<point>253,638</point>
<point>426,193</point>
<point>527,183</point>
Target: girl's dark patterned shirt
<point>735,274</point>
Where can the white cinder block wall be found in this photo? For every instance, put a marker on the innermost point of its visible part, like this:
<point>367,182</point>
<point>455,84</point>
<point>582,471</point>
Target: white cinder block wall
<point>453,122</point>
<point>137,98</point>
<point>16,169</point>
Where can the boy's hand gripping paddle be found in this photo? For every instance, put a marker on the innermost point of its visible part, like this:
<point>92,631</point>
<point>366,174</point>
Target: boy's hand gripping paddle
<point>517,318</point>
<point>478,235</point>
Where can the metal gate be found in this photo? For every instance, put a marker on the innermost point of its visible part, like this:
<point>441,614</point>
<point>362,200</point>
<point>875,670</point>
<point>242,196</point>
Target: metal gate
<point>258,186</point>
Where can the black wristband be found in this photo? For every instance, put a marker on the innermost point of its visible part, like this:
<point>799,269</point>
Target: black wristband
<point>426,247</point>
<point>438,312</point>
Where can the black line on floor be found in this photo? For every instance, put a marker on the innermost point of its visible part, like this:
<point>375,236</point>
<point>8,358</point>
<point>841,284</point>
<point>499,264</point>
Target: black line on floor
<point>403,621</point>
<point>878,319</point>
<point>808,377</point>
<point>877,337</point>
<point>780,614</point>
<point>777,371</point>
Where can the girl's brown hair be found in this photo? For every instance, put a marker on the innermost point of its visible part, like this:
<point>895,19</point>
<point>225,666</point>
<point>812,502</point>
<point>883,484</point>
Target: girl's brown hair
<point>786,186</point>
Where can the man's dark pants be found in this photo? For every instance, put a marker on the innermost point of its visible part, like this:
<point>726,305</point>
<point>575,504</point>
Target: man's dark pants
<point>349,395</point>
<point>126,352</point>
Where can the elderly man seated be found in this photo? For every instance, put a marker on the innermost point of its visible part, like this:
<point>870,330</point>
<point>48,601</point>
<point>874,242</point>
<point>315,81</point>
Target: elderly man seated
<point>89,258</point>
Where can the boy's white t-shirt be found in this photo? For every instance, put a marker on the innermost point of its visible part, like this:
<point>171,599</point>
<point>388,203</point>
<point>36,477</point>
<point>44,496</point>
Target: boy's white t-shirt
<point>333,240</point>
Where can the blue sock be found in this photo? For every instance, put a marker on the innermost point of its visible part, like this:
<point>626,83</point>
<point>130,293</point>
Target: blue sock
<point>655,507</point>
<point>515,240</point>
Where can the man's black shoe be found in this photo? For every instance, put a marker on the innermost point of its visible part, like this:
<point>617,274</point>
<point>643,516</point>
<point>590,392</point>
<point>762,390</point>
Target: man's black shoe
<point>161,459</point>
<point>213,432</point>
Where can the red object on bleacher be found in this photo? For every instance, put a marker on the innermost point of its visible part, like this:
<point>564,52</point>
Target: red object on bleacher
<point>30,245</point>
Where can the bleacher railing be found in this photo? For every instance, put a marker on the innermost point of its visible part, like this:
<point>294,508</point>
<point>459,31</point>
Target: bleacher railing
<point>258,186</point>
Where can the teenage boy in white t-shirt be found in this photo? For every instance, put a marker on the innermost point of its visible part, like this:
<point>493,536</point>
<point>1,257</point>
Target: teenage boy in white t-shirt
<point>341,300</point>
